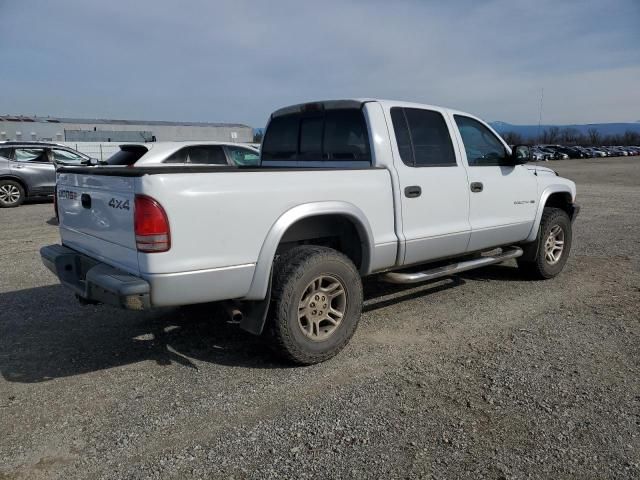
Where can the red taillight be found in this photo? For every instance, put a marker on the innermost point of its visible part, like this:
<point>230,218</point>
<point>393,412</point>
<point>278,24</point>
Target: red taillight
<point>151,226</point>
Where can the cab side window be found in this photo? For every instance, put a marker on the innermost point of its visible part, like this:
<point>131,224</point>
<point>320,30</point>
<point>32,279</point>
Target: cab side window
<point>423,138</point>
<point>31,155</point>
<point>482,146</point>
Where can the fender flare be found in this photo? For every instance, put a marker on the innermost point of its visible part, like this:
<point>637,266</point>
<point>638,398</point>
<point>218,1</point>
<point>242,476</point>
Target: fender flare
<point>262,273</point>
<point>546,193</point>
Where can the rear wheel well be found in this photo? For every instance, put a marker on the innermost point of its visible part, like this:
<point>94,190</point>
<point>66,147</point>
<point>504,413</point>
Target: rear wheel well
<point>17,180</point>
<point>560,200</point>
<point>332,230</point>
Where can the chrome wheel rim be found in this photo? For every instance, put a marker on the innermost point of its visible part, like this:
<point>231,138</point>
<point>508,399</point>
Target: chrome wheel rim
<point>554,245</point>
<point>322,307</point>
<point>9,193</point>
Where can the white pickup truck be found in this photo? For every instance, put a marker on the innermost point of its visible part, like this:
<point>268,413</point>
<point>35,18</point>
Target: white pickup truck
<point>345,189</point>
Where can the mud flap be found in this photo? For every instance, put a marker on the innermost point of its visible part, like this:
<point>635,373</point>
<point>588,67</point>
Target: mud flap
<point>255,313</point>
<point>530,250</point>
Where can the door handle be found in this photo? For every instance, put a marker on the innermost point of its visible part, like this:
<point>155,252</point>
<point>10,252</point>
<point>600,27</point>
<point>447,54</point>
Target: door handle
<point>413,191</point>
<point>476,187</point>
<point>18,166</point>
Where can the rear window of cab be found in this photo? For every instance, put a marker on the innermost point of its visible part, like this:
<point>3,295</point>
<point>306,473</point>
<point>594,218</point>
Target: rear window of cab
<point>317,138</point>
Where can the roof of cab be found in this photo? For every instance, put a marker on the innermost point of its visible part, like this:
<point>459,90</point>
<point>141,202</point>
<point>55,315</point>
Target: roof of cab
<point>356,103</point>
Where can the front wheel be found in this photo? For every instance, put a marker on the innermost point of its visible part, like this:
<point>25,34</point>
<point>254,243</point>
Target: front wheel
<point>552,246</point>
<point>316,303</point>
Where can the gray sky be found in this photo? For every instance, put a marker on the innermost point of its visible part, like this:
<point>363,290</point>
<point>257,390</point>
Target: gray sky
<point>236,61</point>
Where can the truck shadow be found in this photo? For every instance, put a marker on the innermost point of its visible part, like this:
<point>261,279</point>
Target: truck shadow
<point>502,272</point>
<point>380,295</point>
<point>45,334</point>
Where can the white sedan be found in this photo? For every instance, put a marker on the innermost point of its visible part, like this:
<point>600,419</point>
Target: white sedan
<point>185,153</point>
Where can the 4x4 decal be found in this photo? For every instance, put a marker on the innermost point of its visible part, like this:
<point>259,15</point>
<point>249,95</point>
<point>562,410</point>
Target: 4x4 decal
<point>120,204</point>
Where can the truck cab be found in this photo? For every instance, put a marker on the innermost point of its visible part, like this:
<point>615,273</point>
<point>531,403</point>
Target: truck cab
<point>457,186</point>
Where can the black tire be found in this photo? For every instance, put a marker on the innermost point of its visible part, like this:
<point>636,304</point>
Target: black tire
<point>294,276</point>
<point>10,190</point>
<point>537,265</point>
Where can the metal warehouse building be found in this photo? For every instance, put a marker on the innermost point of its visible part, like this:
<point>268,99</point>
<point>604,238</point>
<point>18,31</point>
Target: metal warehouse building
<point>94,130</point>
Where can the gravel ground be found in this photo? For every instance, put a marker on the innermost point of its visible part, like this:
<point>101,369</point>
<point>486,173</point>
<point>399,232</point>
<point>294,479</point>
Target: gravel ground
<point>484,375</point>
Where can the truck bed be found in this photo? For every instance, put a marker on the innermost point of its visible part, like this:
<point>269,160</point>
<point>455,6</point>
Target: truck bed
<point>219,220</point>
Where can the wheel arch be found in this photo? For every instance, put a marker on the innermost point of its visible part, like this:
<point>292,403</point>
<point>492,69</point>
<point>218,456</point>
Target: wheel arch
<point>300,217</point>
<point>559,196</point>
<point>18,180</point>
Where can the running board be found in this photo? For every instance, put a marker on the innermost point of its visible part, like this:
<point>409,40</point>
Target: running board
<point>403,278</point>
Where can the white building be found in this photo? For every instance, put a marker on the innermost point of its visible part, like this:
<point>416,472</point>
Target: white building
<point>25,128</point>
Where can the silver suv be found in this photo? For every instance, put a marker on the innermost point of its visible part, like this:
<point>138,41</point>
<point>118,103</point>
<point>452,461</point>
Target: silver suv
<point>28,169</point>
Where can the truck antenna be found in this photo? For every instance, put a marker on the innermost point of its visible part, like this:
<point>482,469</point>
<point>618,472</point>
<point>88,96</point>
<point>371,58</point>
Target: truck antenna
<point>540,112</point>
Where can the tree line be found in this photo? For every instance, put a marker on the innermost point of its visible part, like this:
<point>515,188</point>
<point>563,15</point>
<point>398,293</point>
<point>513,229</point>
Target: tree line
<point>573,136</point>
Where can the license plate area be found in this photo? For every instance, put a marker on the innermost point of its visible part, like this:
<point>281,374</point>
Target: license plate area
<point>72,271</point>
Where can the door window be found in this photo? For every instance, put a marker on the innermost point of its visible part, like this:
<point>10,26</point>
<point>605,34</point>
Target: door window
<point>66,157</point>
<point>403,138</point>
<point>5,153</point>
<point>482,146</point>
<point>31,155</point>
<point>243,156</point>
<point>423,137</point>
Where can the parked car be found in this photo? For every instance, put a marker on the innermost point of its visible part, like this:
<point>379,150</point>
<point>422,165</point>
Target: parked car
<point>346,189</point>
<point>622,151</point>
<point>185,153</point>
<point>538,155</point>
<point>584,151</point>
<point>633,150</point>
<point>556,151</point>
<point>598,152</point>
<point>608,151</point>
<point>569,151</point>
<point>550,153</point>
<point>28,169</point>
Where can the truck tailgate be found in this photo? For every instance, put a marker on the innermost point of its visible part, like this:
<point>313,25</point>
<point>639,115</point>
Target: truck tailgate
<point>96,217</point>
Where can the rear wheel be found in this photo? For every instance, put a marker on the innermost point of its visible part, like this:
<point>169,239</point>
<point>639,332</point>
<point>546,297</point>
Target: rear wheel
<point>552,246</point>
<point>11,193</point>
<point>316,303</point>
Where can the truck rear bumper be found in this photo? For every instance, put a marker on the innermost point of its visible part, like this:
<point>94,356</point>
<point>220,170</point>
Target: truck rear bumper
<point>94,281</point>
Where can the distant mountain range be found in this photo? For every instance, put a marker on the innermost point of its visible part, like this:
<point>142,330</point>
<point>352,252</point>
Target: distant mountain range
<point>532,130</point>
